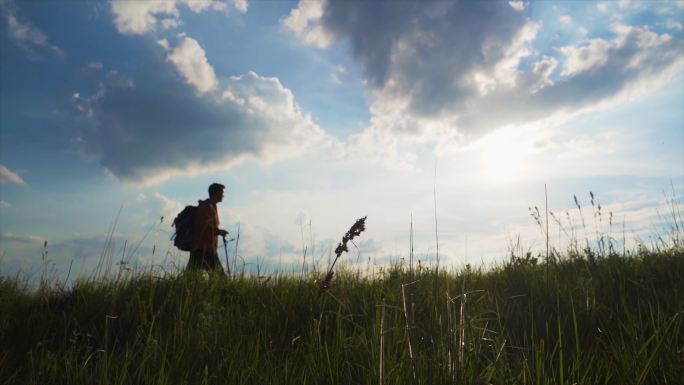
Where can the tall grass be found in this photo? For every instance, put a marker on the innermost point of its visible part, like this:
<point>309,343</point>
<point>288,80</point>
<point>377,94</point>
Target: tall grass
<point>591,315</point>
<point>608,320</point>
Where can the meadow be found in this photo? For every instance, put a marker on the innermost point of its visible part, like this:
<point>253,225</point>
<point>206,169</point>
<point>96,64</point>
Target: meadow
<point>590,315</point>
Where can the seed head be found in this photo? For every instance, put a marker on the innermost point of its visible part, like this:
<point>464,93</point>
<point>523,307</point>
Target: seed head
<point>357,228</point>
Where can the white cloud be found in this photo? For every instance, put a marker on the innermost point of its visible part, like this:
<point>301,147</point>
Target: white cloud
<point>140,17</point>
<point>582,58</point>
<point>517,5</point>
<point>291,130</point>
<point>580,147</point>
<point>674,25</point>
<point>170,23</point>
<point>257,241</point>
<point>164,43</point>
<point>26,35</point>
<point>376,145</point>
<point>170,207</point>
<point>335,79</point>
<point>229,96</point>
<point>340,75</point>
<point>4,204</point>
<point>565,19</point>
<point>602,7</point>
<point>631,46</point>
<point>542,70</point>
<point>302,22</point>
<point>505,72</point>
<point>191,61</point>
<point>7,175</point>
<point>240,5</point>
<point>199,6</point>
<point>11,237</point>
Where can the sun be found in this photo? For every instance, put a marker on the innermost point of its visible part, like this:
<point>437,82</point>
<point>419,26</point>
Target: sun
<point>502,157</point>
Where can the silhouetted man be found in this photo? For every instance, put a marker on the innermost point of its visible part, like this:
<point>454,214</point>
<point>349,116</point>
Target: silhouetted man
<point>206,231</point>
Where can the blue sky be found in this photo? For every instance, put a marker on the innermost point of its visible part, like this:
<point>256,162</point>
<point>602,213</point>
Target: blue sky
<point>316,113</point>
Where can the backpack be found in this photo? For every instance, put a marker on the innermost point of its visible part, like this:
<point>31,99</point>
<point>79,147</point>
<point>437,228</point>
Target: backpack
<point>184,222</point>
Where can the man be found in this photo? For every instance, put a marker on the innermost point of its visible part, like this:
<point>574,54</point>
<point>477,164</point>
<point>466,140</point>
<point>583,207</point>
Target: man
<point>205,232</point>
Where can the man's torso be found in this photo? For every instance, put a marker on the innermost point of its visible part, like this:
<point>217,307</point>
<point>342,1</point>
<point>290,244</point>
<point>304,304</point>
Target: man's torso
<point>206,223</point>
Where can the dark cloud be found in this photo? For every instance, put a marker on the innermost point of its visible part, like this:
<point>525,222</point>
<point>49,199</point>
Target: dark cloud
<point>159,124</point>
<point>459,69</point>
<point>149,123</point>
<point>426,48</point>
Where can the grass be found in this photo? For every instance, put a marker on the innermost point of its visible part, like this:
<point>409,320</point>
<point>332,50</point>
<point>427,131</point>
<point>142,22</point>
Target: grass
<point>604,320</point>
<point>595,314</point>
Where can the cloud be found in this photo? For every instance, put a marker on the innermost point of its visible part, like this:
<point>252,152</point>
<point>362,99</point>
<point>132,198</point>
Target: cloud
<point>4,204</point>
<point>21,239</point>
<point>140,17</point>
<point>450,72</point>
<point>341,75</point>
<point>170,23</point>
<point>26,35</point>
<point>155,125</point>
<point>191,61</point>
<point>584,146</point>
<point>301,22</point>
<point>170,208</point>
<point>95,65</point>
<point>517,5</point>
<point>164,43</point>
<point>674,25</point>
<point>629,52</point>
<point>420,59</point>
<point>581,58</point>
<point>376,145</point>
<point>7,175</point>
<point>101,245</point>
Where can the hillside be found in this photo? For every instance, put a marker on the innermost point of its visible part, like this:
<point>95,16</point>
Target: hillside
<point>586,320</point>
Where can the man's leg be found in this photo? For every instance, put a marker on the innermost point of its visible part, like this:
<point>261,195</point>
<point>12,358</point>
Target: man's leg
<point>196,260</point>
<point>213,263</point>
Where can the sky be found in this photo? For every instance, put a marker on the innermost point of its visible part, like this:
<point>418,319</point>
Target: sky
<point>447,120</point>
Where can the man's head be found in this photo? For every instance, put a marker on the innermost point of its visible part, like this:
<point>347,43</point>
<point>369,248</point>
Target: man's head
<point>216,192</point>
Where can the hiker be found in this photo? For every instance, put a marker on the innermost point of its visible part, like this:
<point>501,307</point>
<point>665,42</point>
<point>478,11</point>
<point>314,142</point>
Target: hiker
<point>205,232</point>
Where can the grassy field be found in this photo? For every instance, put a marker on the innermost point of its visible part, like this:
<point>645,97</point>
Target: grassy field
<point>581,318</point>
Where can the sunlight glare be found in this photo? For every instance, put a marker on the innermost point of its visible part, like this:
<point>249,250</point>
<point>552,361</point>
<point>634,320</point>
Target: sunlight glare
<point>502,157</point>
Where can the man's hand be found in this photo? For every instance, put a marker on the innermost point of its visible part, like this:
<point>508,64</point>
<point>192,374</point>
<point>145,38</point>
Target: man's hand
<point>221,232</point>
